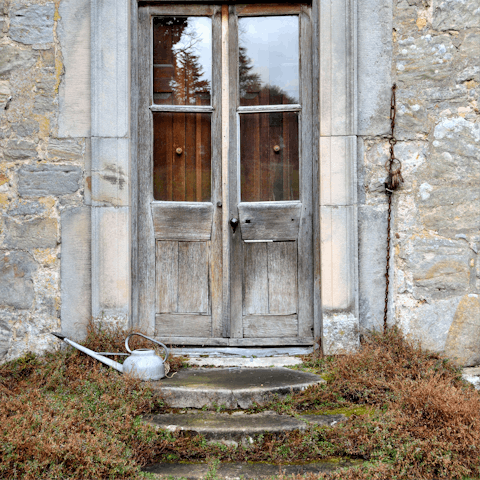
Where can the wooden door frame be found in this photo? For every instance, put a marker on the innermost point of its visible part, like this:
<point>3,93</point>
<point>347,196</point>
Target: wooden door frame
<point>225,69</point>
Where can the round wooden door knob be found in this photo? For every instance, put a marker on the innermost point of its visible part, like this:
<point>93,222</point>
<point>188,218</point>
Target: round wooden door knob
<point>276,148</point>
<point>178,151</point>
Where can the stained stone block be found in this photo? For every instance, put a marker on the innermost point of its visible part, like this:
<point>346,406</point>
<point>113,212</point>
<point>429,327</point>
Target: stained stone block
<point>37,233</point>
<point>12,57</point>
<point>16,284</point>
<point>43,180</point>
<point>64,149</point>
<point>19,149</point>
<point>32,24</point>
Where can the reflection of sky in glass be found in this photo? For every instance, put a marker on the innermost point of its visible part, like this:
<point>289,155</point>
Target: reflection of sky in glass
<point>272,45</point>
<point>199,28</point>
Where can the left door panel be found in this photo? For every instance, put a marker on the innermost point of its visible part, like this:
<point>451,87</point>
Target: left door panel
<point>179,231</point>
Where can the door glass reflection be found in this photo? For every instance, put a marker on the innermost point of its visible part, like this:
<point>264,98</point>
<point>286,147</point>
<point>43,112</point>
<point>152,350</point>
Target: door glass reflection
<point>269,158</point>
<point>268,60</point>
<point>182,60</point>
<point>182,157</point>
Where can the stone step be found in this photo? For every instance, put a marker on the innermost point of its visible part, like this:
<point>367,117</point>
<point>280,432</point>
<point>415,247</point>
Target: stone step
<point>237,471</point>
<point>238,427</point>
<point>231,388</point>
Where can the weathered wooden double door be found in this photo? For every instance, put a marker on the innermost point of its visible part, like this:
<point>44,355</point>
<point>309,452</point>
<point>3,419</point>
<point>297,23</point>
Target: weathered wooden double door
<point>225,253</point>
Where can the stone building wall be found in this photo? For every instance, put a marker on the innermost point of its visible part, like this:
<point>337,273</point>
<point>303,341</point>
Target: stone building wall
<point>436,65</point>
<point>41,175</point>
<point>430,48</point>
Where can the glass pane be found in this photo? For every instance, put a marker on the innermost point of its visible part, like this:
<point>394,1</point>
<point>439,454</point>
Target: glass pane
<point>182,157</point>
<point>269,160</point>
<point>182,60</point>
<point>268,60</point>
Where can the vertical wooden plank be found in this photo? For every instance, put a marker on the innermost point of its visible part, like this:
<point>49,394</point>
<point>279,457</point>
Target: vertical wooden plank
<point>215,177</point>
<point>265,156</point>
<point>169,153</point>
<point>276,158</point>
<point>179,159</point>
<point>256,157</point>
<point>282,278</point>
<point>235,272</point>
<point>144,278</point>
<point>255,271</point>
<point>305,246</point>
<point>206,157</point>
<point>190,154</point>
<point>198,154</point>
<point>193,278</point>
<point>166,267</point>
<point>286,157</point>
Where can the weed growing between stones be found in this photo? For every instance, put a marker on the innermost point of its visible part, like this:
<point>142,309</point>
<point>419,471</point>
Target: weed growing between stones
<point>64,415</point>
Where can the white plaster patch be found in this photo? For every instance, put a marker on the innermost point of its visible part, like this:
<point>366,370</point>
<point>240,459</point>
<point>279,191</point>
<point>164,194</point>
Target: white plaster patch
<point>448,127</point>
<point>424,189</point>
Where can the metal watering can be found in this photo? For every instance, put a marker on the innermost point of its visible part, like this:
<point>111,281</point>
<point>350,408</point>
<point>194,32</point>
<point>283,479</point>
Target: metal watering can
<point>142,363</point>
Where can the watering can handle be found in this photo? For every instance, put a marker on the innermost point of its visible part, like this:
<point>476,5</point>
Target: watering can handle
<point>148,338</point>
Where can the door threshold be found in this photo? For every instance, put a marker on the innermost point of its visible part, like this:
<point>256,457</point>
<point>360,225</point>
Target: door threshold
<point>235,342</point>
<point>241,353</point>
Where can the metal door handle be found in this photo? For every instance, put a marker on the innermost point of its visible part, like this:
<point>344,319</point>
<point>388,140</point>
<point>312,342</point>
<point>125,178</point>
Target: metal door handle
<point>234,224</point>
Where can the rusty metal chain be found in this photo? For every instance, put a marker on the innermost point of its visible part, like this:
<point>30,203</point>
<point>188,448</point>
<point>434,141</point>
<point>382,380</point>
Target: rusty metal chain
<point>394,180</point>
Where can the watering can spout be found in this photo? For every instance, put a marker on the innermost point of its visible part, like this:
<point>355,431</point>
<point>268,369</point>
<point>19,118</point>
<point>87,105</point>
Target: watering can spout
<point>95,355</point>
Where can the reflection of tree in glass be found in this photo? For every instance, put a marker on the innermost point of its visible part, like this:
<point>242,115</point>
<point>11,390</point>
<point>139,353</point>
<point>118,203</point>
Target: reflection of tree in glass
<point>250,84</point>
<point>187,82</point>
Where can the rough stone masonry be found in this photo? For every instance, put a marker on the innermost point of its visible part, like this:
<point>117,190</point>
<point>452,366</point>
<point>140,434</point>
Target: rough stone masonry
<point>430,48</point>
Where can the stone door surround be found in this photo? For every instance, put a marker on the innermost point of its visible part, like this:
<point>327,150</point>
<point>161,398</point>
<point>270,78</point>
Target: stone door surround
<point>113,166</point>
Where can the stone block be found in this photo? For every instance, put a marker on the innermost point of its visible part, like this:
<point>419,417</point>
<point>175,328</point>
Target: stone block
<point>65,149</point>
<point>20,150</point>
<point>109,182</point>
<point>74,92</point>
<point>374,66</point>
<point>110,68</point>
<point>425,60</point>
<point>43,180</point>
<point>13,57</point>
<point>5,337</point>
<point>338,81</point>
<point>32,24</point>
<point>43,104</point>
<point>26,128</point>
<point>37,233</point>
<point>463,341</point>
<point>5,94</point>
<point>16,284</point>
<point>340,333</point>
<point>26,208</point>
<point>76,272</point>
<point>440,267</point>
<point>338,247</point>
<point>337,170</point>
<point>429,323</point>
<point>372,238</point>
<point>110,261</point>
<point>455,14</point>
